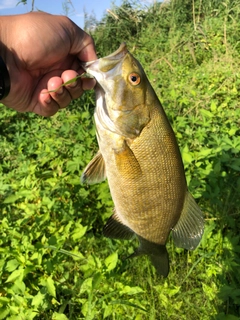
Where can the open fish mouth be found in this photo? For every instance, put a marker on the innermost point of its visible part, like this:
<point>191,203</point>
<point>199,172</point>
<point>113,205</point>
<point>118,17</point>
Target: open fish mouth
<point>106,63</point>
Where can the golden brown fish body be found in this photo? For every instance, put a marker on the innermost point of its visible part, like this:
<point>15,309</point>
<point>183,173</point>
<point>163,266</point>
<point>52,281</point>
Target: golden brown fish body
<point>140,157</point>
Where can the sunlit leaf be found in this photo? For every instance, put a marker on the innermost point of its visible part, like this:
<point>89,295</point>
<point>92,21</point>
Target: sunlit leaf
<point>59,316</point>
<point>131,290</point>
<point>15,275</point>
<point>51,287</point>
<point>111,261</point>
<point>38,299</point>
<point>12,265</point>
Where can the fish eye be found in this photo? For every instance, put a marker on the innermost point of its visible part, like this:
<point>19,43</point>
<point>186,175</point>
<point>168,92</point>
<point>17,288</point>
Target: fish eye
<point>134,78</point>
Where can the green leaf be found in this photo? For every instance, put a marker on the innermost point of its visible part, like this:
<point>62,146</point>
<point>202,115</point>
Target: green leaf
<point>86,286</point>
<point>173,291</point>
<point>88,311</point>
<point>108,310</point>
<point>59,316</point>
<point>204,152</point>
<point>4,300</point>
<point>230,317</point>
<point>19,286</point>
<point>127,303</point>
<point>213,106</point>
<point>111,261</point>
<point>186,155</point>
<point>15,275</point>
<point>235,167</point>
<point>4,312</point>
<point>51,287</point>
<point>79,232</point>
<point>209,291</point>
<point>38,299</point>
<point>96,280</point>
<point>11,199</point>
<point>12,265</point>
<point>131,290</point>
<point>206,113</point>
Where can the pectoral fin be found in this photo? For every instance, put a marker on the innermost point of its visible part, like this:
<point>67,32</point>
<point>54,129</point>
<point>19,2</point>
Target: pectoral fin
<point>115,229</point>
<point>127,163</point>
<point>95,171</point>
<point>188,231</point>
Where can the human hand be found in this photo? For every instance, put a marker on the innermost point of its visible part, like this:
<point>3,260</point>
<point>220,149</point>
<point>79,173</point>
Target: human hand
<point>41,52</point>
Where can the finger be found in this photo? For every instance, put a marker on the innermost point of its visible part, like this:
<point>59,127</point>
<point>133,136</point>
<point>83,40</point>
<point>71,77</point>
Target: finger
<point>77,87</point>
<point>45,105</point>
<point>88,52</point>
<point>51,100</point>
<point>82,44</point>
<point>58,92</point>
<point>88,83</point>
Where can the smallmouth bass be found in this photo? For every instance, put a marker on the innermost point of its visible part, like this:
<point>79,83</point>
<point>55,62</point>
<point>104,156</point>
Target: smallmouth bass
<point>139,156</point>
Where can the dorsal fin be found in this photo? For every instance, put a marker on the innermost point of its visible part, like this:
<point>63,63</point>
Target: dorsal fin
<point>188,231</point>
<point>95,171</point>
<point>115,229</point>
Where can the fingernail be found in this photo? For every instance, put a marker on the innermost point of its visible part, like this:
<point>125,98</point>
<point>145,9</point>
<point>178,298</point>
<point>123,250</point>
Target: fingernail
<point>46,96</point>
<point>48,100</point>
<point>73,84</point>
<point>60,90</point>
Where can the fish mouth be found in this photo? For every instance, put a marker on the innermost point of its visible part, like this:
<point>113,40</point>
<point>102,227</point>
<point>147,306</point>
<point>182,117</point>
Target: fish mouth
<point>107,63</point>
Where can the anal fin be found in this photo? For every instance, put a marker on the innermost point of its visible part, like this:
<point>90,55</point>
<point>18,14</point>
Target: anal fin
<point>95,171</point>
<point>188,231</point>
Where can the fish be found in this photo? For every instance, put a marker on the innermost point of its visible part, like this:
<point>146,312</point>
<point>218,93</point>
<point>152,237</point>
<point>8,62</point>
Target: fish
<point>140,158</point>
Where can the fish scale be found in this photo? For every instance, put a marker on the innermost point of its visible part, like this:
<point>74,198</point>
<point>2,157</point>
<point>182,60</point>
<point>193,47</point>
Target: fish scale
<point>152,193</point>
<point>139,156</point>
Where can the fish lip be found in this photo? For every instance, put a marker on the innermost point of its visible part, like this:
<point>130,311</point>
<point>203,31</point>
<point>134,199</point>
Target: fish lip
<point>119,53</point>
<point>116,55</point>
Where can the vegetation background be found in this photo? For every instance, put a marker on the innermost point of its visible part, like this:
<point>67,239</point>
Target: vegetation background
<point>54,261</point>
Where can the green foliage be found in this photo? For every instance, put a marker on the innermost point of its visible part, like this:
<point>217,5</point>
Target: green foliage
<point>119,25</point>
<point>55,263</point>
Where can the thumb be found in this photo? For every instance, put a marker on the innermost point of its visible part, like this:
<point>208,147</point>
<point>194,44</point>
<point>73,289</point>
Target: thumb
<point>82,44</point>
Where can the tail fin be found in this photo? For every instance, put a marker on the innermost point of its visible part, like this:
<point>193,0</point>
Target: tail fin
<point>161,262</point>
<point>157,253</point>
